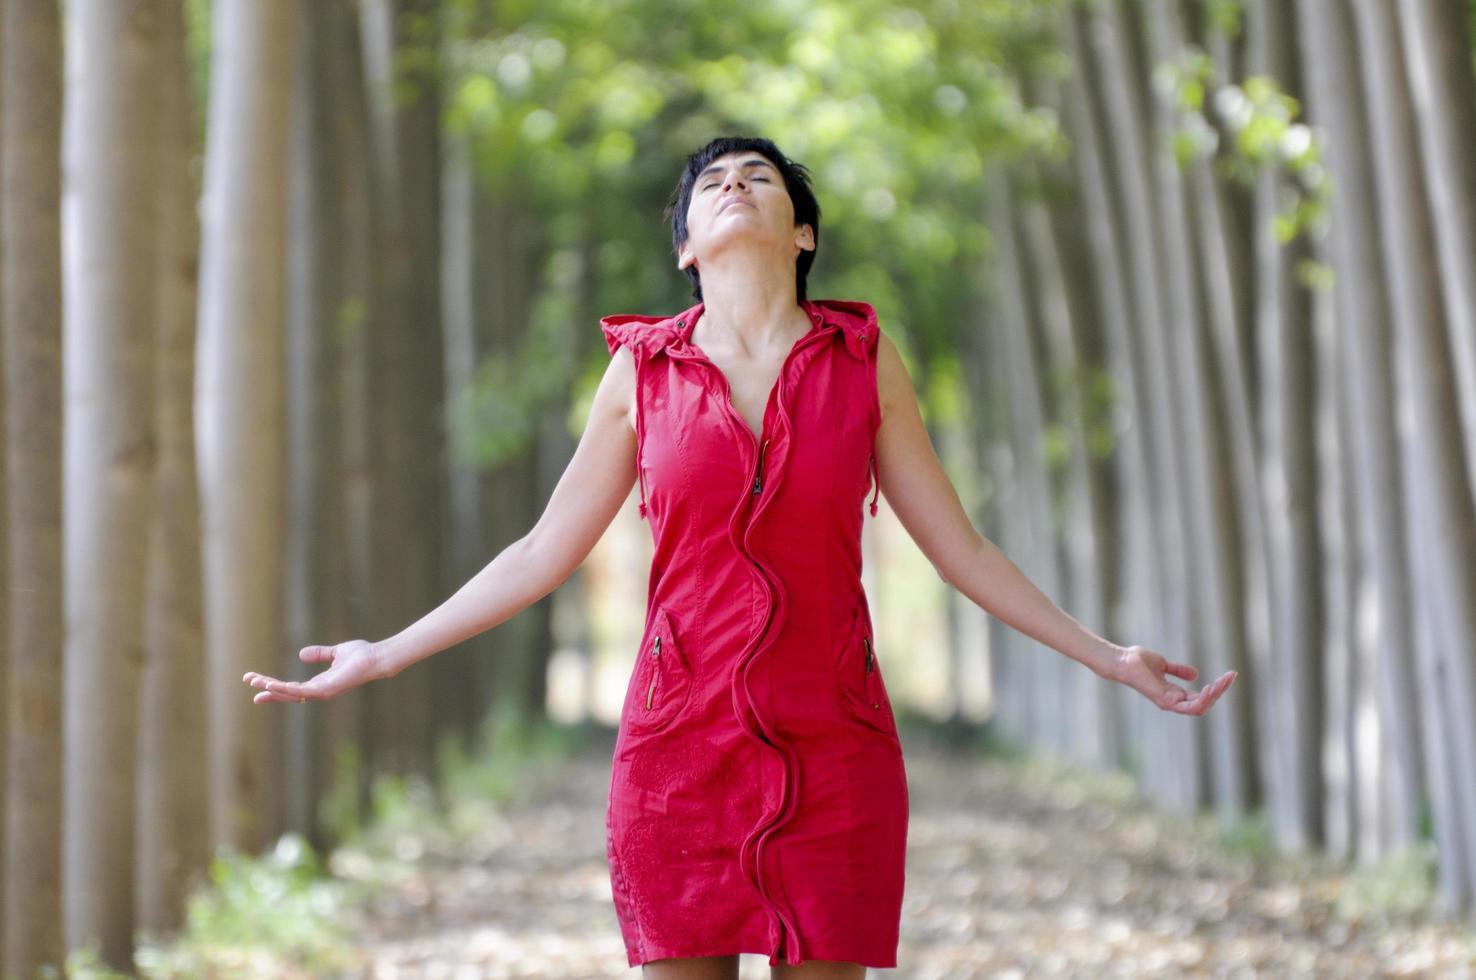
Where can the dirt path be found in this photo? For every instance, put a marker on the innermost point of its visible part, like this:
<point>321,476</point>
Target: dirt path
<point>1012,872</point>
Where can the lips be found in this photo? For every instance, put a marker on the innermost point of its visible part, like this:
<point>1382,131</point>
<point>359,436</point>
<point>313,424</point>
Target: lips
<point>732,201</point>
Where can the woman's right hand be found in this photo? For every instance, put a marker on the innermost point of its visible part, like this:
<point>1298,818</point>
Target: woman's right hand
<point>351,663</point>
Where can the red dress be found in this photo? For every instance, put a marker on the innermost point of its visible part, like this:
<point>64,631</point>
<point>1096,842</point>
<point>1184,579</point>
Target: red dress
<point>758,800</point>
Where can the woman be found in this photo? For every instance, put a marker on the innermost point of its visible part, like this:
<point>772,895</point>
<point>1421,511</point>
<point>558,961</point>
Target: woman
<point>758,799</point>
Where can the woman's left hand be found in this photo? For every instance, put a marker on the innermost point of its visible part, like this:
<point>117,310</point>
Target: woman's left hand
<point>1143,670</point>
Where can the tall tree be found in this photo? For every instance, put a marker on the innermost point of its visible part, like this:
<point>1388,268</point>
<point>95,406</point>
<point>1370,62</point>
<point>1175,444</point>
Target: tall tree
<point>31,324</point>
<point>1438,51</point>
<point>174,843</point>
<point>1387,782</point>
<point>313,595</point>
<point>111,449</point>
<point>402,59</point>
<point>1442,517</point>
<point>1288,468</point>
<point>239,394</point>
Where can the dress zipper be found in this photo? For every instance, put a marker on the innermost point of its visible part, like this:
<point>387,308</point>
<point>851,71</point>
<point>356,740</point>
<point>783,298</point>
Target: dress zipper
<point>758,473</point>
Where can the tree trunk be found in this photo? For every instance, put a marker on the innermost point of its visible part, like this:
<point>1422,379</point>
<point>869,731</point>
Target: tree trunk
<point>173,842</point>
<point>1289,471</point>
<point>1215,581</point>
<point>408,374</point>
<point>465,536</point>
<point>346,722</point>
<point>1365,351</point>
<point>1436,467</point>
<point>1067,313</point>
<point>239,392</point>
<point>1130,536</point>
<point>1171,762</point>
<point>1041,677</point>
<point>111,452</point>
<point>31,308</point>
<point>313,583</point>
<point>1438,52</point>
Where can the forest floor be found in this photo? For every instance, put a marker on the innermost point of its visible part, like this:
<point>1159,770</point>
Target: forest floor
<point>1016,868</point>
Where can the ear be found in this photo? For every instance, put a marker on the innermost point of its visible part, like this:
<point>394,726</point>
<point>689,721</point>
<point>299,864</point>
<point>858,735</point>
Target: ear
<point>685,255</point>
<point>804,237</point>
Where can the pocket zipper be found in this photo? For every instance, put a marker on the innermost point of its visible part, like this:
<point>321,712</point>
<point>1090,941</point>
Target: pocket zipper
<point>655,652</point>
<point>870,666</point>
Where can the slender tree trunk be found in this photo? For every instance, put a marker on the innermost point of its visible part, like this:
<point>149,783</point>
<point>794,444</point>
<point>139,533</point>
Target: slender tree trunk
<point>1436,469</point>
<point>1334,72</point>
<point>1215,585</point>
<point>1170,749</point>
<point>313,586</point>
<point>465,539</point>
<point>1130,537</point>
<point>111,453</point>
<point>31,317</point>
<point>1438,51</point>
<point>239,392</point>
<point>347,724</point>
<point>1040,673</point>
<point>1222,211</point>
<point>1288,477</point>
<point>1064,312</point>
<point>402,39</point>
<point>173,841</point>
<point>510,249</point>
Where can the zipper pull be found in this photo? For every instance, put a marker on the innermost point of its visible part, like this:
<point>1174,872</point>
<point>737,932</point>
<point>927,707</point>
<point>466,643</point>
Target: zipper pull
<point>870,665</point>
<point>758,475</point>
<point>656,649</point>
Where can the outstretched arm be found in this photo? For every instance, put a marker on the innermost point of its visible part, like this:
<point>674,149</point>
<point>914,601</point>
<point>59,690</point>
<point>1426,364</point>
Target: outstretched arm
<point>590,491</point>
<point>919,491</point>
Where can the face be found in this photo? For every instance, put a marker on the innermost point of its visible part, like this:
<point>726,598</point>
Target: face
<point>740,198</point>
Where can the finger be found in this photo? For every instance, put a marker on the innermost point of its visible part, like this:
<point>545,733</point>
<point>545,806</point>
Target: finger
<point>1201,702</point>
<point>259,680</point>
<point>315,654</point>
<point>289,690</point>
<point>271,697</point>
<point>1180,670</point>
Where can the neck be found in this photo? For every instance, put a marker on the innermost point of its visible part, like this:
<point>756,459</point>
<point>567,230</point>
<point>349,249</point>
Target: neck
<point>748,304</point>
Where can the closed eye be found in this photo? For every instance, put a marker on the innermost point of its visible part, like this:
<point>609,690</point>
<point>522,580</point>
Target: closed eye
<point>708,187</point>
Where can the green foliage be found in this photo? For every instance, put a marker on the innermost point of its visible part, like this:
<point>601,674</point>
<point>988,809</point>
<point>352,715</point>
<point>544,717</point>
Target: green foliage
<point>272,915</point>
<point>287,913</point>
<point>1400,884</point>
<point>1248,835</point>
<point>1226,16</point>
<point>1262,123</point>
<point>590,110</point>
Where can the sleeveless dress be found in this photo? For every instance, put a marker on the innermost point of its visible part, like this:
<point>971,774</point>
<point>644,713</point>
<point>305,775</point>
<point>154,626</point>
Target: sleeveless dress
<point>758,799</point>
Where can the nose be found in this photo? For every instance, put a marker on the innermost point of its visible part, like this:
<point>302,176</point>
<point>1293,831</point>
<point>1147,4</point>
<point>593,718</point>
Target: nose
<point>734,178</point>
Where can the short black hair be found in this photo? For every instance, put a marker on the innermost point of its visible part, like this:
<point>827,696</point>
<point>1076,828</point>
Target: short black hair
<point>796,182</point>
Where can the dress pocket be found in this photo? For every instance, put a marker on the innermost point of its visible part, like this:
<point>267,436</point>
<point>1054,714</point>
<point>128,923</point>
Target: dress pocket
<point>862,684</point>
<point>662,682</point>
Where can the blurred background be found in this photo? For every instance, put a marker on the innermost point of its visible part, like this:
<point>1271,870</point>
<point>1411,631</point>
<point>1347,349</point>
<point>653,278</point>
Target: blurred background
<point>300,303</point>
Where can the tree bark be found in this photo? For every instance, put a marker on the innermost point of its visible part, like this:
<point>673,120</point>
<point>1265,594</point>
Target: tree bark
<point>111,450</point>
<point>239,393</point>
<point>174,844</point>
<point>1438,51</point>
<point>408,375</point>
<point>1436,467</point>
<point>31,322</point>
<point>1365,353</point>
<point>1289,471</point>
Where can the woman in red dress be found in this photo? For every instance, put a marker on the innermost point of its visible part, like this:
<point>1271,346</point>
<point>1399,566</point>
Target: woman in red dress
<point>758,797</point>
